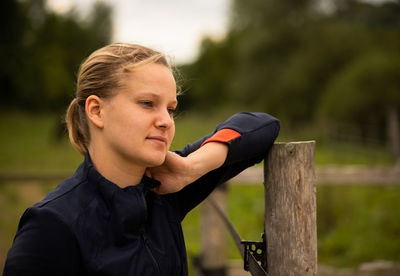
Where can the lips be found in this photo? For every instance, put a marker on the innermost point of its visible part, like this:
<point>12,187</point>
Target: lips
<point>160,139</point>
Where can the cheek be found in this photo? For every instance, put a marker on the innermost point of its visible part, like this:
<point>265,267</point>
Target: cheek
<point>172,132</point>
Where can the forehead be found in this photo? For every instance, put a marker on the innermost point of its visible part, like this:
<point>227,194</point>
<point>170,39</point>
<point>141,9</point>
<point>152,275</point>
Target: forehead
<point>152,75</point>
<point>150,80</point>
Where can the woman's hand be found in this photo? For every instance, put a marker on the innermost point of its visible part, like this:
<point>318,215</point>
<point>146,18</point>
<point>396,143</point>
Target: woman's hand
<point>176,172</point>
<point>173,174</point>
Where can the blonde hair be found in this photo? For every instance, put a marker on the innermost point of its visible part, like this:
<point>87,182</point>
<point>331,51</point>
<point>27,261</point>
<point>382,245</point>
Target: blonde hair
<point>101,74</point>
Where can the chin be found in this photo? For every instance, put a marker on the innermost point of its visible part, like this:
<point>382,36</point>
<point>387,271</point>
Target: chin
<point>155,162</point>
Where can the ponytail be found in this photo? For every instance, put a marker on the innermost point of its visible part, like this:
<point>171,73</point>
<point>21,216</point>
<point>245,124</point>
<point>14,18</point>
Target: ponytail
<point>77,126</point>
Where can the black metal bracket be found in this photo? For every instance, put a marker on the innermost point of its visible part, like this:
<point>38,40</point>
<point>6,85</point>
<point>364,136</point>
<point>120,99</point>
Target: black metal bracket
<point>257,249</point>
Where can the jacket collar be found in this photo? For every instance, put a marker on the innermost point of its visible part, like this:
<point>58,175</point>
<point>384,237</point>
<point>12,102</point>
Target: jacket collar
<point>127,206</point>
<point>108,188</point>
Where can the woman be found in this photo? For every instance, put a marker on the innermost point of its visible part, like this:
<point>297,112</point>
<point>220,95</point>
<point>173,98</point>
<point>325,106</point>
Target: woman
<point>121,212</point>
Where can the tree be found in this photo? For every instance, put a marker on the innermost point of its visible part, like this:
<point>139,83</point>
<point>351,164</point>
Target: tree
<point>284,56</point>
<point>47,49</point>
<point>366,94</point>
<point>13,22</point>
<point>208,79</point>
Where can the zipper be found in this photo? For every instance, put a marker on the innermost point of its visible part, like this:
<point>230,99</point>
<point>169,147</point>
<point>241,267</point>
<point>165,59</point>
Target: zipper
<point>145,242</point>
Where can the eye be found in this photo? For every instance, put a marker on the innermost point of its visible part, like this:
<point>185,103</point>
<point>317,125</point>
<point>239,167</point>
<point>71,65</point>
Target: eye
<point>146,103</point>
<point>171,111</point>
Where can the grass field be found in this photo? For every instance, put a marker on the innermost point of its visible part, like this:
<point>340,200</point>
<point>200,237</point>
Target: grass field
<point>355,224</point>
<point>29,143</point>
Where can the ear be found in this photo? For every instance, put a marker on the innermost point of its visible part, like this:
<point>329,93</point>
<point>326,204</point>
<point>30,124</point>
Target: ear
<point>93,108</point>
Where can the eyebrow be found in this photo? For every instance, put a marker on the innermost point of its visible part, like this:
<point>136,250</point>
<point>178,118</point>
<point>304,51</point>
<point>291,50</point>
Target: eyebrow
<point>154,95</point>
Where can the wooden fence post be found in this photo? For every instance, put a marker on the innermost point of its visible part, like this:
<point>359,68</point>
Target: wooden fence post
<point>290,209</point>
<point>214,240</point>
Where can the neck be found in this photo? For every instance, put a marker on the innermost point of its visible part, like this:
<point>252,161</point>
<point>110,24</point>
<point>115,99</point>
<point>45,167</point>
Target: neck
<point>116,170</point>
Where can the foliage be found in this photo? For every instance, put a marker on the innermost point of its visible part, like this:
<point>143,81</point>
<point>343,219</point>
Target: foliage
<point>41,51</point>
<point>360,83</point>
<point>304,63</point>
<point>207,82</point>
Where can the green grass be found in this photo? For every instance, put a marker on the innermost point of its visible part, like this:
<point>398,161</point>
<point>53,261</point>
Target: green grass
<point>15,197</point>
<point>358,224</point>
<point>242,201</point>
<point>28,144</point>
<point>352,154</point>
<point>355,223</point>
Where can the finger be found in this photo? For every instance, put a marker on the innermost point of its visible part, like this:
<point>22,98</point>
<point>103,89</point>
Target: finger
<point>148,172</point>
<point>156,190</point>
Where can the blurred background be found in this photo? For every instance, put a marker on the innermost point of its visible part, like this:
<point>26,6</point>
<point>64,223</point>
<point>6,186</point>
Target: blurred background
<point>329,70</point>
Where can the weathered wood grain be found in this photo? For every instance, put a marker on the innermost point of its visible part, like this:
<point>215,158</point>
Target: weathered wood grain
<point>214,239</point>
<point>290,209</point>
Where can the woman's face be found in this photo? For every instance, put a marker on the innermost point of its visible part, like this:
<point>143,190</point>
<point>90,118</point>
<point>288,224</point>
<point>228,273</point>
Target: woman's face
<point>138,120</point>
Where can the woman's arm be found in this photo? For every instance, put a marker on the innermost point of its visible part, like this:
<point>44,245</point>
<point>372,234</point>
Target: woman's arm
<point>42,246</point>
<point>248,137</point>
<point>178,171</point>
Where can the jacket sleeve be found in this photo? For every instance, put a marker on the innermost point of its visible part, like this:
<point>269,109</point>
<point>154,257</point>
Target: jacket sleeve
<point>249,137</point>
<point>43,245</point>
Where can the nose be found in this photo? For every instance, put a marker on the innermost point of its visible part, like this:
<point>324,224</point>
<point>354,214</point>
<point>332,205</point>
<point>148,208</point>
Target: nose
<point>164,119</point>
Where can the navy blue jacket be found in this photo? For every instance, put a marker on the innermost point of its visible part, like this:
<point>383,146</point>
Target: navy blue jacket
<point>90,226</point>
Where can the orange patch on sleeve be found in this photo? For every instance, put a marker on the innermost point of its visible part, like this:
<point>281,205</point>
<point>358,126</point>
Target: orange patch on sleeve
<point>223,135</point>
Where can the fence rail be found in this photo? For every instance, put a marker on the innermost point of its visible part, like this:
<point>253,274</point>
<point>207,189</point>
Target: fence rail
<point>359,175</point>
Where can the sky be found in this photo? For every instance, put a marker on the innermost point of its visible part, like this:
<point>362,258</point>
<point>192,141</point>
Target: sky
<point>174,27</point>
